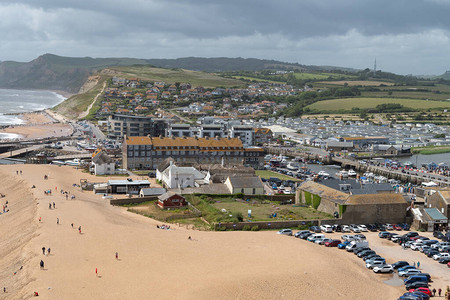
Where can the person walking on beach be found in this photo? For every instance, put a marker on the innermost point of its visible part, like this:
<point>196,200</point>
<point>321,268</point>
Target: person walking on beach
<point>418,265</point>
<point>72,225</point>
<point>57,221</point>
<point>40,219</point>
<point>49,205</point>
<point>439,291</point>
<point>79,229</point>
<point>54,206</point>
<point>43,250</point>
<point>434,292</point>
<point>41,264</point>
<point>20,172</point>
<point>96,273</point>
<point>117,255</point>
<point>48,251</point>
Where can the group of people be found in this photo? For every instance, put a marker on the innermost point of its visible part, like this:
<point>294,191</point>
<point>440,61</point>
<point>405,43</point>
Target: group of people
<point>163,226</point>
<point>5,208</point>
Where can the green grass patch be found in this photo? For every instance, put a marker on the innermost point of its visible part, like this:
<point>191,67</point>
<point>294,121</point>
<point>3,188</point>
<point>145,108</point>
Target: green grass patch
<point>431,150</point>
<point>267,174</point>
<point>170,76</point>
<point>364,103</point>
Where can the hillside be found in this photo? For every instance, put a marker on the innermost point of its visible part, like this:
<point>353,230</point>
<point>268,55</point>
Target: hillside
<point>54,72</point>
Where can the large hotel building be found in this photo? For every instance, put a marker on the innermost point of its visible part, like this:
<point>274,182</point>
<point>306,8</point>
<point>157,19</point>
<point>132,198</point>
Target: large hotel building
<point>145,152</point>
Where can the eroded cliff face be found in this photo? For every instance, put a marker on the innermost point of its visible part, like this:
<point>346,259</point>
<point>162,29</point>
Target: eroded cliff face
<point>43,73</point>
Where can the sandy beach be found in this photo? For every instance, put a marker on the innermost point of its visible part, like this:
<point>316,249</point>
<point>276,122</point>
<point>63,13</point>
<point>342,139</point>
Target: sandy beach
<point>38,125</point>
<point>154,263</point>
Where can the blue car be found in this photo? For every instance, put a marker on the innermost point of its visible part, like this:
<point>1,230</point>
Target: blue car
<point>343,245</point>
<point>406,268</point>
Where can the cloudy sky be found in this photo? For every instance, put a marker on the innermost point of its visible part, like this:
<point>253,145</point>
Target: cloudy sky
<point>405,36</point>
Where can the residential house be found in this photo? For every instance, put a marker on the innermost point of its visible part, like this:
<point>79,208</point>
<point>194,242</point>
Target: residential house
<point>171,200</point>
<point>102,164</point>
<point>245,185</point>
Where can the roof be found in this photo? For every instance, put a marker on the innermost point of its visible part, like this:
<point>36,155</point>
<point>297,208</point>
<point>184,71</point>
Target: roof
<point>263,130</point>
<point>138,140</point>
<point>167,195</point>
<point>246,182</point>
<point>173,142</point>
<point>339,144</point>
<point>435,214</point>
<point>355,138</point>
<point>368,199</point>
<point>153,191</point>
<point>102,158</point>
<point>324,191</point>
<point>126,182</point>
<point>165,164</point>
<point>445,195</point>
<point>184,171</point>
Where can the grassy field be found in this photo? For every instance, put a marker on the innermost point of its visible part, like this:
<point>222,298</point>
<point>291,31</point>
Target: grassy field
<point>76,104</point>
<point>349,103</point>
<point>431,150</point>
<point>320,76</point>
<point>267,174</point>
<point>177,75</point>
<point>254,79</point>
<point>356,83</point>
<point>262,210</point>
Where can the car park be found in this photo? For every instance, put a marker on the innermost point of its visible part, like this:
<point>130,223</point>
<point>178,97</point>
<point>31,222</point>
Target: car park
<point>285,231</point>
<point>383,269</point>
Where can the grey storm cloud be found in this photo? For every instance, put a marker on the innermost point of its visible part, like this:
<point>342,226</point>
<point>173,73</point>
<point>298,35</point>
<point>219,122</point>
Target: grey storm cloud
<point>407,36</point>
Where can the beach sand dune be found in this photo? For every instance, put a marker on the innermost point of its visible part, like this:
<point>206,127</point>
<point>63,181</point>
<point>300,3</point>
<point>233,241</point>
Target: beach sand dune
<point>163,264</point>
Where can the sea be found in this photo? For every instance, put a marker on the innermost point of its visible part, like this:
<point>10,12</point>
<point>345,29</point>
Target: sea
<point>21,101</point>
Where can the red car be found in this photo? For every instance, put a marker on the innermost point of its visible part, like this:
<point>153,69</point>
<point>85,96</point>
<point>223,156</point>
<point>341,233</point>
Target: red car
<point>397,227</point>
<point>422,290</point>
<point>448,265</point>
<point>333,243</point>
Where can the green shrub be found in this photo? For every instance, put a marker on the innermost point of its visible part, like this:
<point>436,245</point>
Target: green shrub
<point>308,197</point>
<point>246,228</point>
<point>239,216</point>
<point>255,228</point>
<point>316,201</point>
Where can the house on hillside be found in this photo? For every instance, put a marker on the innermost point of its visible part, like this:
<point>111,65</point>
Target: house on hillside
<point>179,177</point>
<point>251,185</point>
<point>171,200</point>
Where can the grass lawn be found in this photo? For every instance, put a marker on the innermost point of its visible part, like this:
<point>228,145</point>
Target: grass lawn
<point>177,75</point>
<point>150,209</point>
<point>320,76</point>
<point>431,150</point>
<point>263,209</point>
<point>267,174</point>
<point>254,79</point>
<point>349,103</point>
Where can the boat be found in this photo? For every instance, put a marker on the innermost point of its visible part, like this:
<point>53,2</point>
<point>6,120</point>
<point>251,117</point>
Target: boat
<point>293,165</point>
<point>343,174</point>
<point>75,162</point>
<point>323,174</point>
<point>351,173</point>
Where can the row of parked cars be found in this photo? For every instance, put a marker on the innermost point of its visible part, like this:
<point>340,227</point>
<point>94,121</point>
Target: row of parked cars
<point>416,282</point>
<point>438,250</point>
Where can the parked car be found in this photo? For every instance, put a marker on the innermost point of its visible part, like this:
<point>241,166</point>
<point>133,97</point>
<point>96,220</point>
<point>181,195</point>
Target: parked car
<point>348,237</point>
<point>406,268</point>
<point>415,278</point>
<point>332,243</point>
<point>305,235</point>
<point>408,272</point>
<point>298,233</point>
<point>415,285</point>
<point>383,234</point>
<point>362,228</point>
<point>326,228</point>
<point>397,227</point>
<point>440,255</point>
<point>360,236</point>
<point>354,228</point>
<point>345,228</point>
<point>314,237</point>
<point>389,227</point>
<point>438,234</point>
<point>383,269</point>
<point>375,263</point>
<point>285,231</point>
<point>415,246</point>
<point>365,253</point>
<point>373,258</point>
<point>422,290</point>
<point>361,249</point>
<point>444,260</point>
<point>322,241</point>
<point>396,237</point>
<point>343,244</point>
<point>315,229</point>
<point>430,252</point>
<point>400,264</point>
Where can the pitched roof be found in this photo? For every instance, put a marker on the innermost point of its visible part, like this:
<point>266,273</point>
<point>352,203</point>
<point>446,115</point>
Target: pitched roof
<point>435,214</point>
<point>324,191</point>
<point>167,195</point>
<point>102,158</point>
<point>153,191</point>
<point>445,195</point>
<point>375,199</point>
<point>138,140</point>
<point>246,182</point>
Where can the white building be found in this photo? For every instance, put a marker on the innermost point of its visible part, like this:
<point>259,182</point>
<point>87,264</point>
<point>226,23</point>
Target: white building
<point>244,132</point>
<point>102,164</point>
<point>175,177</point>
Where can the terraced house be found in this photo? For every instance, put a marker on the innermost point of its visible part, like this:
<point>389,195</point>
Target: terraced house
<point>145,152</point>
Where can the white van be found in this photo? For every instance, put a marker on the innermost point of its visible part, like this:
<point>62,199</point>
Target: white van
<point>355,245</point>
<point>315,237</point>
